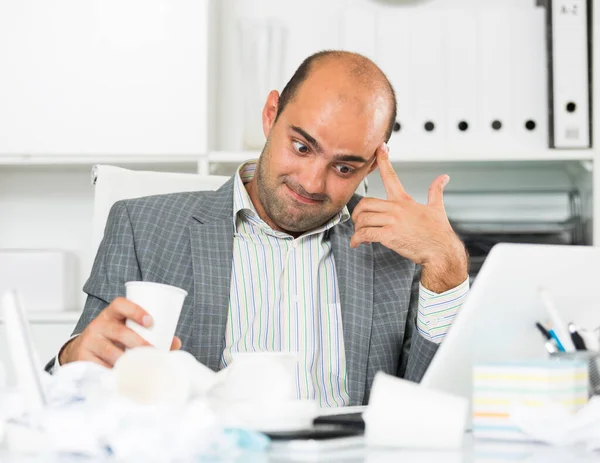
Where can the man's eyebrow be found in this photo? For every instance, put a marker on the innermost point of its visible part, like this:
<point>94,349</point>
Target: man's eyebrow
<point>310,139</point>
<point>350,158</point>
<point>315,144</point>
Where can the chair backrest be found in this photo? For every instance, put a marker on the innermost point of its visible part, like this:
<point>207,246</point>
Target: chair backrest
<point>113,184</point>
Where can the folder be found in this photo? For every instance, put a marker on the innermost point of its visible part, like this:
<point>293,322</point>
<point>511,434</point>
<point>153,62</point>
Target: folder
<point>393,35</point>
<point>528,86</point>
<point>461,44</point>
<point>428,75</point>
<point>495,102</point>
<point>568,38</point>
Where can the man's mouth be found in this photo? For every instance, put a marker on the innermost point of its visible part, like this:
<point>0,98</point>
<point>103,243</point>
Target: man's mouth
<point>302,199</point>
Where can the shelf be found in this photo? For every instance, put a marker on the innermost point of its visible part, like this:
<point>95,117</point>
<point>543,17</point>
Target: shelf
<point>89,160</point>
<point>494,156</point>
<point>237,157</point>
<point>232,157</point>
<point>429,157</point>
<point>53,317</point>
<point>513,228</point>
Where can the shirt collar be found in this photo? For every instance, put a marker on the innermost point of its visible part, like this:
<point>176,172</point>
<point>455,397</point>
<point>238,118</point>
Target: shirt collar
<point>243,209</point>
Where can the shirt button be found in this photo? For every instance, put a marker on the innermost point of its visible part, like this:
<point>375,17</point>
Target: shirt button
<point>295,244</point>
<point>295,298</point>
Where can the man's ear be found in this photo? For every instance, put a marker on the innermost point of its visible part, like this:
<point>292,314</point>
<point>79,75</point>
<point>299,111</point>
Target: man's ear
<point>269,112</point>
<point>374,165</point>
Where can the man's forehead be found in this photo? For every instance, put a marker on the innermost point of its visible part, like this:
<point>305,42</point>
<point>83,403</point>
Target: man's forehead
<point>341,104</point>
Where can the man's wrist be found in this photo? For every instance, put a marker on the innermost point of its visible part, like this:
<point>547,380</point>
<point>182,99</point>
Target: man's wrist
<point>446,270</point>
<point>65,352</point>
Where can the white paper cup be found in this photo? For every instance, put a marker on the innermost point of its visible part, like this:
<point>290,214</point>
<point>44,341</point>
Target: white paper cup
<point>163,303</point>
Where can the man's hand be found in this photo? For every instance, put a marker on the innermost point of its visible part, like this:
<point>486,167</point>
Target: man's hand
<point>421,233</point>
<point>105,339</point>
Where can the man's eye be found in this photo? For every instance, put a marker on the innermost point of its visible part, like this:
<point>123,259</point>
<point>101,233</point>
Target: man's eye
<point>300,147</point>
<point>344,170</point>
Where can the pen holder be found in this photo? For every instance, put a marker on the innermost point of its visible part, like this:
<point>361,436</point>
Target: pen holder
<point>592,359</point>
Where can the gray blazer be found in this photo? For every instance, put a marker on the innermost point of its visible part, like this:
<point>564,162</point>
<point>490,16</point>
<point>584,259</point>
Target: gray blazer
<point>186,240</point>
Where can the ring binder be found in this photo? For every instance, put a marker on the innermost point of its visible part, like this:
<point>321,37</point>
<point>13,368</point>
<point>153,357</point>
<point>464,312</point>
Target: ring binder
<point>568,40</point>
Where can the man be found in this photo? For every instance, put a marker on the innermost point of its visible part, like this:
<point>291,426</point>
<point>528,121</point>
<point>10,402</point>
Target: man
<point>285,257</point>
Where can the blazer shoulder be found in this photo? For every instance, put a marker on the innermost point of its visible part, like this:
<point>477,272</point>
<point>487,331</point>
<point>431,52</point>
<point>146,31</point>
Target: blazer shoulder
<point>171,205</point>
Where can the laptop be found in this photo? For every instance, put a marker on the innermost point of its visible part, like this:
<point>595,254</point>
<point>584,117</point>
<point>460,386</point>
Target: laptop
<point>22,353</point>
<point>497,320</point>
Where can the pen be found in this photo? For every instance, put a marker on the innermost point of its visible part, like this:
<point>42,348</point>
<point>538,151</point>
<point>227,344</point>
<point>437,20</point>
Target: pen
<point>562,335</point>
<point>553,335</point>
<point>550,344</point>
<point>543,330</point>
<point>551,347</point>
<point>591,338</point>
<point>576,337</point>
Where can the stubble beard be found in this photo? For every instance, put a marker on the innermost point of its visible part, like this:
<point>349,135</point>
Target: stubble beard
<point>277,208</point>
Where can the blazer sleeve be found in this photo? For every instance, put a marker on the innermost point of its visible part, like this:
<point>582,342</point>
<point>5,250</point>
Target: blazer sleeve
<point>115,264</point>
<point>417,352</point>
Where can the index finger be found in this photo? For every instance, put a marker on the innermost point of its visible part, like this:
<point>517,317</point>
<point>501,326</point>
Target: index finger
<point>391,182</point>
<point>124,309</point>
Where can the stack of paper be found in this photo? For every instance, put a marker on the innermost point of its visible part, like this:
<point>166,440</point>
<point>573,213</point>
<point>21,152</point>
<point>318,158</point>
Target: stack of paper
<point>403,414</point>
<point>501,388</point>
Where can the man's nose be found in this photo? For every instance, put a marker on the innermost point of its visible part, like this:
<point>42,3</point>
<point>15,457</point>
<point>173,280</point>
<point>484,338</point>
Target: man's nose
<point>313,177</point>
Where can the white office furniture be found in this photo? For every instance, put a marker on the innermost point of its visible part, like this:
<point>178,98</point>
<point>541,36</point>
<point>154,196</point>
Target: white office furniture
<point>58,117</point>
<point>104,77</point>
<point>44,278</point>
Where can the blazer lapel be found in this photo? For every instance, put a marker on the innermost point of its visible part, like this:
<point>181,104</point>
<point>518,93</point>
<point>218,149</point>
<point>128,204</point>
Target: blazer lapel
<point>211,237</point>
<point>354,269</point>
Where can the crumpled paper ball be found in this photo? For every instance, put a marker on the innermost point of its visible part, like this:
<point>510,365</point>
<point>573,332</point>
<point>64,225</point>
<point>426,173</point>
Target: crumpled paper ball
<point>86,415</point>
<point>152,376</point>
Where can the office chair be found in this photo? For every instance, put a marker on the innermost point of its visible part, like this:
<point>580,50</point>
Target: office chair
<point>111,184</point>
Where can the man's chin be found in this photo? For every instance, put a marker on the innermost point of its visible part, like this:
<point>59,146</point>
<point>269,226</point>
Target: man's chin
<point>291,227</point>
<point>298,226</point>
<point>289,220</point>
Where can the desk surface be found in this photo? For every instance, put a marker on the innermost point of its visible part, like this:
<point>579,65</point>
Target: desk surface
<point>474,451</point>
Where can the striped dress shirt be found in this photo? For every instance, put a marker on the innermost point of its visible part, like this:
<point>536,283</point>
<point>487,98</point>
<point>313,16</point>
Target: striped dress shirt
<point>285,297</point>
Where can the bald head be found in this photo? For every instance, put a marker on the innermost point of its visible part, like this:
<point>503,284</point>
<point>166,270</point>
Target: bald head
<point>349,74</point>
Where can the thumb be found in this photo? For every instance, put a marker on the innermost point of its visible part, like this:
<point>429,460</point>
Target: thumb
<point>176,344</point>
<point>435,196</point>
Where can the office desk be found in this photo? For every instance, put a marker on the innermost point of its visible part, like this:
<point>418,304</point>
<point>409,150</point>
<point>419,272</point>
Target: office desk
<point>473,451</point>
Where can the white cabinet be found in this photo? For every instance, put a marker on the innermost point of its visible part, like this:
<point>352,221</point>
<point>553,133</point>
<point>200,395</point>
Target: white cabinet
<point>125,77</point>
